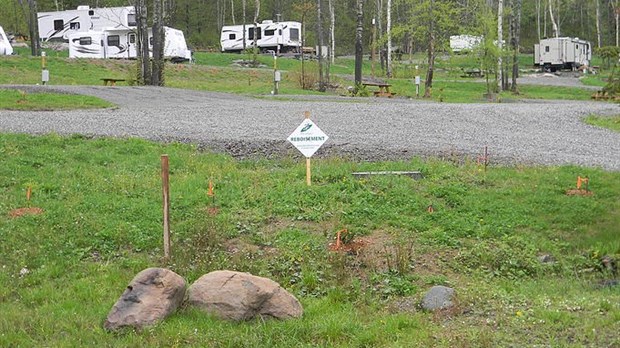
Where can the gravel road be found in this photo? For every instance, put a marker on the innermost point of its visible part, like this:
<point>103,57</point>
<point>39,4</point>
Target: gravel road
<point>536,132</point>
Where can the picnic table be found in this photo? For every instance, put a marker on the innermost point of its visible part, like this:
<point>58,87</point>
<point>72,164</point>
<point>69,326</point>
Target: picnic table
<point>472,73</point>
<point>111,81</point>
<point>384,89</point>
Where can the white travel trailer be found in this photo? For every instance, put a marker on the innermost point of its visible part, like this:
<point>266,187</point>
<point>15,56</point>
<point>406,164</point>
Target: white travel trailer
<point>122,43</point>
<point>463,43</point>
<point>57,26</point>
<point>5,44</point>
<point>277,36</point>
<point>562,53</point>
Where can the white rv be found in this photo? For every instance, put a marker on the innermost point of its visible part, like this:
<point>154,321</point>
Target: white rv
<point>122,43</point>
<point>277,36</point>
<point>463,43</point>
<point>562,53</point>
<point>57,26</point>
<point>5,44</point>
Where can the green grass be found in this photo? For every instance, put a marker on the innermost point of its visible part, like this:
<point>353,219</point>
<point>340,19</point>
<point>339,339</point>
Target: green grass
<point>215,72</point>
<point>21,100</point>
<point>101,224</point>
<point>609,122</point>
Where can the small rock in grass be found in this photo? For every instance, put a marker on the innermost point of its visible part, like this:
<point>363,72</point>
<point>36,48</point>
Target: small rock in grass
<point>438,297</point>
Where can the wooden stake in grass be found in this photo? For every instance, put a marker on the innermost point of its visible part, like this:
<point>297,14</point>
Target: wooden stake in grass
<point>29,193</point>
<point>165,179</point>
<point>581,181</point>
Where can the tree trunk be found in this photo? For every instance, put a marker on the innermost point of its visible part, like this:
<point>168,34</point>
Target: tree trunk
<point>389,38</point>
<point>256,14</point>
<point>556,31</point>
<point>598,22</point>
<point>516,38</point>
<point>144,73</point>
<point>159,34</point>
<point>332,31</point>
<point>244,30</point>
<point>232,11</point>
<point>538,18</point>
<point>428,84</point>
<point>319,29</point>
<point>359,54</point>
<point>500,44</point>
<point>379,9</point>
<point>617,17</point>
<point>33,26</point>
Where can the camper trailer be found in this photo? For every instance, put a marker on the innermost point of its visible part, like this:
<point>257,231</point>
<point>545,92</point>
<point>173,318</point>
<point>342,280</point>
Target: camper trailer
<point>277,36</point>
<point>464,43</point>
<point>562,53</point>
<point>5,44</point>
<point>57,26</point>
<point>122,43</point>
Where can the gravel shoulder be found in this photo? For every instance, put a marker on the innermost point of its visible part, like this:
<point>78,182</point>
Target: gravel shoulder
<point>545,133</point>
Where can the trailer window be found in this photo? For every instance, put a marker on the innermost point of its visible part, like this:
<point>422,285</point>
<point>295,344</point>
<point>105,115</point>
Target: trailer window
<point>131,20</point>
<point>85,41</point>
<point>132,38</point>
<point>280,32</point>
<point>91,12</point>
<point>59,24</point>
<point>114,40</point>
<point>270,32</point>
<point>251,34</point>
<point>74,26</point>
<point>294,34</point>
<point>232,36</point>
<point>546,48</point>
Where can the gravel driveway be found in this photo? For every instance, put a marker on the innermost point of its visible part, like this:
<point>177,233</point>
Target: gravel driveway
<point>536,132</point>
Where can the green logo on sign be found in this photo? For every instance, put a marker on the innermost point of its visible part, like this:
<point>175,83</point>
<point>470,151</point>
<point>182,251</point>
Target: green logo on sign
<point>306,127</point>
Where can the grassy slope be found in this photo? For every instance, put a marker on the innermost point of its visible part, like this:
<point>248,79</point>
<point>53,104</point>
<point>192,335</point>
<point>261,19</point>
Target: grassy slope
<point>102,224</point>
<point>612,122</point>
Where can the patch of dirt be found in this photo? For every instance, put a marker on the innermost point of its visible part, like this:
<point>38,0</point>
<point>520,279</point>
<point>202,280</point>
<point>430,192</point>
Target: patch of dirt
<point>25,211</point>
<point>580,192</point>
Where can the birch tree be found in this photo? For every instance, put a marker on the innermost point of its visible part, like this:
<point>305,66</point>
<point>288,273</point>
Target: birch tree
<point>556,30</point>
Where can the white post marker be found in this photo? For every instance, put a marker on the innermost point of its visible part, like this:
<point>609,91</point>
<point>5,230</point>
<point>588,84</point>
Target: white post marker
<point>307,138</point>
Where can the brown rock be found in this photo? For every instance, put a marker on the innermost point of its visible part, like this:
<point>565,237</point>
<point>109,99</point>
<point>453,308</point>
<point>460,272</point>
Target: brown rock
<point>241,296</point>
<point>152,295</point>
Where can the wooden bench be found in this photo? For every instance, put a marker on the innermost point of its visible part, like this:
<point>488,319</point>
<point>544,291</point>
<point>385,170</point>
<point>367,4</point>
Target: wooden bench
<point>472,73</point>
<point>384,89</point>
<point>110,81</point>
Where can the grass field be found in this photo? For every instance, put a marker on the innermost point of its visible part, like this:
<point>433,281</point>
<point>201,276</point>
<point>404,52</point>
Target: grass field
<point>216,72</point>
<point>612,122</point>
<point>21,100</point>
<point>99,223</point>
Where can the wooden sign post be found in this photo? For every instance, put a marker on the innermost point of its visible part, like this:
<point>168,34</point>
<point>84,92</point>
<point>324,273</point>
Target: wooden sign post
<point>165,180</point>
<point>308,138</point>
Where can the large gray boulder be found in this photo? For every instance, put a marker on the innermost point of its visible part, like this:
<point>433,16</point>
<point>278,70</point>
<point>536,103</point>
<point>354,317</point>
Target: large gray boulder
<point>438,297</point>
<point>241,296</point>
<point>152,295</point>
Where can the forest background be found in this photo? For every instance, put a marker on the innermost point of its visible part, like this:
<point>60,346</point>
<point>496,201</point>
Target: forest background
<point>201,20</point>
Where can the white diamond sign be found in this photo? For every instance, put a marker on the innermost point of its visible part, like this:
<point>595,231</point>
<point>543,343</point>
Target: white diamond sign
<point>307,138</point>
